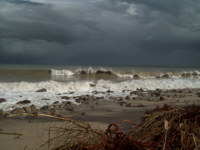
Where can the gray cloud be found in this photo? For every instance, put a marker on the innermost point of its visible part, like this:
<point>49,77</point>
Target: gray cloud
<point>128,32</point>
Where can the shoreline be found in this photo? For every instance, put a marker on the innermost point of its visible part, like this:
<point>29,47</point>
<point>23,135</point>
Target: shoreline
<point>98,112</point>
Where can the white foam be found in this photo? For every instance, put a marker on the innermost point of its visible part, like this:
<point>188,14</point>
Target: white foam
<point>126,76</point>
<point>17,91</point>
<point>55,72</point>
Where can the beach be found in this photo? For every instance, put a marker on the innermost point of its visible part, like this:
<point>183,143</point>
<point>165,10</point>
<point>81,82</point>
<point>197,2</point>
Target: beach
<point>30,95</point>
<point>98,112</point>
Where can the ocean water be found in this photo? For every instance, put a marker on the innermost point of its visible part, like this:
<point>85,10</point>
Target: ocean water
<point>20,82</point>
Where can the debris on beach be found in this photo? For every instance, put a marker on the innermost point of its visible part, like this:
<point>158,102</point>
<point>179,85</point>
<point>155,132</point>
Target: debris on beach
<point>164,128</point>
<point>172,128</point>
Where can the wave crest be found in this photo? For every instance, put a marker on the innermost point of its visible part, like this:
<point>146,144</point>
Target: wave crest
<point>123,74</point>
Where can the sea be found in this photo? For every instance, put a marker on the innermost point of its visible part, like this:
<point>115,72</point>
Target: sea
<point>20,82</point>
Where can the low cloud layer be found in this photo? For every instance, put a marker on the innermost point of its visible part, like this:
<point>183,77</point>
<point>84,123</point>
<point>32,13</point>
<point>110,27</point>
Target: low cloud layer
<point>112,32</point>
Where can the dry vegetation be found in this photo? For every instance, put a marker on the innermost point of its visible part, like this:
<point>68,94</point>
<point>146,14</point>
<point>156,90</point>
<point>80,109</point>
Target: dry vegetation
<point>163,128</point>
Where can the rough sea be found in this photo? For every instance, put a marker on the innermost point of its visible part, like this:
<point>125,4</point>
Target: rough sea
<point>20,82</point>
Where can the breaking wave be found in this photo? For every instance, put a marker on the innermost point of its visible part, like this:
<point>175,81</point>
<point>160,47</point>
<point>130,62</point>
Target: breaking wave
<point>124,74</point>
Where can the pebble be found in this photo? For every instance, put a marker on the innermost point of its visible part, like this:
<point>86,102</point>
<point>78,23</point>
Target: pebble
<point>42,90</point>
<point>33,108</point>
<point>1,112</point>
<point>128,104</point>
<point>27,109</point>
<point>24,102</point>
<point>2,100</point>
<point>65,97</point>
<point>18,111</point>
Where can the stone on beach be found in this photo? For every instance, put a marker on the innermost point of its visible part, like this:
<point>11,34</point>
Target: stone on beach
<point>33,108</point>
<point>92,85</point>
<point>165,76</point>
<point>45,99</point>
<point>47,107</point>
<point>18,111</point>
<point>135,76</point>
<point>42,90</point>
<point>198,94</point>
<point>24,102</point>
<point>1,112</point>
<point>2,100</point>
<point>65,97</point>
<point>27,109</point>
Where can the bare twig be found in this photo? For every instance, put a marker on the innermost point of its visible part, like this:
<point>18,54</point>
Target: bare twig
<point>165,136</point>
<point>195,143</point>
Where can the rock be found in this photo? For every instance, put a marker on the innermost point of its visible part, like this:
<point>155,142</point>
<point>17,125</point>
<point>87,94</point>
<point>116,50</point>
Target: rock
<point>189,91</point>
<point>134,93</point>
<point>161,98</point>
<point>140,105</point>
<point>128,104</point>
<point>102,97</point>
<point>1,112</point>
<point>82,114</point>
<point>128,97</point>
<point>33,108</point>
<point>44,108</point>
<point>165,76</point>
<point>42,90</point>
<point>95,92</point>
<point>135,76</point>
<point>84,97</point>
<point>65,104</point>
<point>2,100</point>
<point>56,102</point>
<point>52,111</point>
<point>27,109</point>
<point>121,103</point>
<point>109,91</point>
<point>140,90</point>
<point>92,85</point>
<point>158,90</point>
<point>71,92</point>
<point>56,105</point>
<point>198,94</point>
<point>18,111</point>
<point>180,91</point>
<point>157,94</point>
<point>45,99</point>
<point>24,102</point>
<point>65,97</point>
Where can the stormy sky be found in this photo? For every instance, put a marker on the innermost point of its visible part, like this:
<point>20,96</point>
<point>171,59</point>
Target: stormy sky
<point>100,32</point>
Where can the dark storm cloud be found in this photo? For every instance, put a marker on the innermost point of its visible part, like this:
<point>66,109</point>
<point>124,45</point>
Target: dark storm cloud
<point>35,30</point>
<point>23,2</point>
<point>128,32</point>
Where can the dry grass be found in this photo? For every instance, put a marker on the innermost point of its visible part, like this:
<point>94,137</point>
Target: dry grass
<point>183,128</point>
<point>81,136</point>
<point>164,128</point>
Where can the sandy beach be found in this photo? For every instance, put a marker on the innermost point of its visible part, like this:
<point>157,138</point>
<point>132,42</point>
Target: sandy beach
<point>98,112</point>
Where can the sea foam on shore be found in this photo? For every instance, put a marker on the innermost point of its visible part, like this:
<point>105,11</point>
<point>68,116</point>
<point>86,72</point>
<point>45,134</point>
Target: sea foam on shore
<point>17,91</point>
